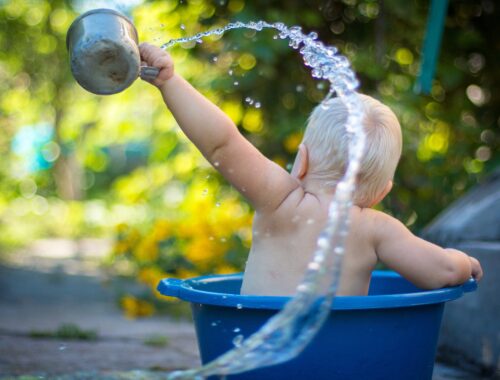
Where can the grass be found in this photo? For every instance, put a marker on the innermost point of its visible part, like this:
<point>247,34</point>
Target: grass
<point>68,331</point>
<point>157,341</point>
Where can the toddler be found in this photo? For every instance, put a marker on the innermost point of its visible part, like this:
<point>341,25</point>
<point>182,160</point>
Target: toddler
<point>291,209</point>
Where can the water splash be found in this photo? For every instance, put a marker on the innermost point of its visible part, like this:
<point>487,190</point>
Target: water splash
<point>124,6</point>
<point>287,333</point>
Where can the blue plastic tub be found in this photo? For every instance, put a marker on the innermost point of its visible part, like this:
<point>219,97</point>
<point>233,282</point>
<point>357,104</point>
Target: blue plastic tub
<point>390,334</point>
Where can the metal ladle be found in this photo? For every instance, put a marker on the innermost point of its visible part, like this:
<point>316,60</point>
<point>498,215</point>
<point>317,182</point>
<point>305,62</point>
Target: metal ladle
<point>104,52</point>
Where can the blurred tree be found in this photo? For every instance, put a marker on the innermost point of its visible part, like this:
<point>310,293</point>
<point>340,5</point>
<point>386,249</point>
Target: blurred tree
<point>36,81</point>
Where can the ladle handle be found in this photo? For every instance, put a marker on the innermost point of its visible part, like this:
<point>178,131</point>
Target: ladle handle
<point>148,72</point>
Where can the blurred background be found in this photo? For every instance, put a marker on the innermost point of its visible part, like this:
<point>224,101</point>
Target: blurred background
<point>78,166</point>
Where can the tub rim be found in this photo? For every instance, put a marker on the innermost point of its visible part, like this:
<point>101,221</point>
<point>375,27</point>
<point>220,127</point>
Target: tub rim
<point>184,290</point>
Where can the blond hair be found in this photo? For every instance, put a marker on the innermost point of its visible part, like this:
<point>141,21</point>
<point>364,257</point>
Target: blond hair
<point>327,141</point>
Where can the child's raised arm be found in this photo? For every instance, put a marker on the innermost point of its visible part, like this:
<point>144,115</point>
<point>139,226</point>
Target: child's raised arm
<point>264,183</point>
<point>425,264</point>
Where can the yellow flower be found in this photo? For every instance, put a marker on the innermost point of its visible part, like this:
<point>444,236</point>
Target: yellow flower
<point>186,273</point>
<point>147,250</point>
<point>151,276</point>
<point>133,236</point>
<point>201,251</point>
<point>121,247</point>
<point>225,269</point>
<point>135,307</point>
<point>293,141</point>
<point>121,228</point>
<point>280,160</point>
<point>162,229</point>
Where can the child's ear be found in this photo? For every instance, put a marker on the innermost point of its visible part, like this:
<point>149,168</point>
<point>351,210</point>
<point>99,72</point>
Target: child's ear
<point>383,193</point>
<point>301,164</point>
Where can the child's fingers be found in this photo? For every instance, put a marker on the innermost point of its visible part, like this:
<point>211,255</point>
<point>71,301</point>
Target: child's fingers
<point>147,52</point>
<point>477,271</point>
<point>156,57</point>
<point>162,61</point>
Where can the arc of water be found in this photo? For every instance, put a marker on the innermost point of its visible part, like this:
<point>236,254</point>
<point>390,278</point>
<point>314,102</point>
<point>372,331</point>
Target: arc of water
<point>287,333</point>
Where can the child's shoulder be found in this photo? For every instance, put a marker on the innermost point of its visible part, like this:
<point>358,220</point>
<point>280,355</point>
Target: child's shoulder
<point>379,225</point>
<point>371,220</point>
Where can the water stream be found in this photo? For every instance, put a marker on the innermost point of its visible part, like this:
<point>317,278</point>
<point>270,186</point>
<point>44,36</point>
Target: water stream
<point>287,333</point>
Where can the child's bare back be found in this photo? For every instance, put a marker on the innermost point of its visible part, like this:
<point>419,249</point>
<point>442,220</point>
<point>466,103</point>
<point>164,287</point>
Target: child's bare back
<point>277,262</point>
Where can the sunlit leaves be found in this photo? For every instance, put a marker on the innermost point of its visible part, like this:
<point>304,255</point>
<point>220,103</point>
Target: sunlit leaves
<point>403,56</point>
<point>252,121</point>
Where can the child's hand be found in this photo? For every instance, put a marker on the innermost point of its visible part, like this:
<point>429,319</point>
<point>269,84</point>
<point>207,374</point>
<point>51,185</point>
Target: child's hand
<point>159,58</point>
<point>477,271</point>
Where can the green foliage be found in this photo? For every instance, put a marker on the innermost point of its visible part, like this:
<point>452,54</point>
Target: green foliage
<point>157,341</point>
<point>66,331</point>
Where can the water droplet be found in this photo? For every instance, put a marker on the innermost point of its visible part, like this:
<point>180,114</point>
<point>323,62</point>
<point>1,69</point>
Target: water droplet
<point>213,324</point>
<point>303,288</point>
<point>230,72</point>
<point>236,83</point>
<point>257,104</point>
<point>313,266</point>
<point>239,306</point>
<point>217,204</point>
<point>319,259</point>
<point>216,163</point>
<point>323,242</point>
<point>62,347</point>
<point>182,26</point>
<point>312,35</point>
<point>299,88</point>
<point>237,330</point>
<point>215,59</point>
<point>238,339</point>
